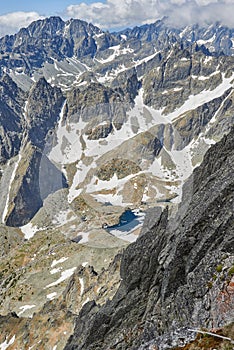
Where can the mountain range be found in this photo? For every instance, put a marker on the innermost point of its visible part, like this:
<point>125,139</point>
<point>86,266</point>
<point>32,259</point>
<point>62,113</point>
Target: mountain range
<point>116,162</point>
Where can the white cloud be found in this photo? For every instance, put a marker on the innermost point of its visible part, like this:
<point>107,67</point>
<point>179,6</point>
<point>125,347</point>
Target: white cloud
<point>202,12</point>
<point>124,13</point>
<point>10,23</point>
<point>115,14</point>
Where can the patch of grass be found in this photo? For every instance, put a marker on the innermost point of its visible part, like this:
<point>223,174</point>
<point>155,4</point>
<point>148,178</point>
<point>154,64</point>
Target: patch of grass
<point>219,268</point>
<point>210,284</point>
<point>231,271</point>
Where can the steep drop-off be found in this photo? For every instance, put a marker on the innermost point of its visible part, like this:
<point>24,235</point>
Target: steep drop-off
<point>178,275</point>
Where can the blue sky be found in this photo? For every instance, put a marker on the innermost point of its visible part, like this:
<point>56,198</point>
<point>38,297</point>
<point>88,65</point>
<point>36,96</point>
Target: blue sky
<point>43,7</point>
<point>115,14</point>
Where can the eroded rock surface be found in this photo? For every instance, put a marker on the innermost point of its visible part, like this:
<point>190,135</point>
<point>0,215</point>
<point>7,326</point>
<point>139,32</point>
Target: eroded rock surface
<point>168,274</point>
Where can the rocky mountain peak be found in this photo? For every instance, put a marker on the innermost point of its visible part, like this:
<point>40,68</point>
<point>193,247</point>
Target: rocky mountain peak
<point>44,105</point>
<point>9,84</point>
<point>46,28</point>
<point>100,132</point>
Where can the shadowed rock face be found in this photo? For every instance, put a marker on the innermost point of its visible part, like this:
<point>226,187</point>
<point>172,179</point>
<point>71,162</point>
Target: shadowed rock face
<point>36,177</point>
<point>168,273</point>
<point>11,122</point>
<point>44,105</point>
<point>166,98</point>
<point>23,131</point>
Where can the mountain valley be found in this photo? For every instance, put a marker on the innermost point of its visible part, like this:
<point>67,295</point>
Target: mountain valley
<point>116,180</point>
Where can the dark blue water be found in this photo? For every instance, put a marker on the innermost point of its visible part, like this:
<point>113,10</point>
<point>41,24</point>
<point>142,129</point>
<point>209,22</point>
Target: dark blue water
<point>124,219</point>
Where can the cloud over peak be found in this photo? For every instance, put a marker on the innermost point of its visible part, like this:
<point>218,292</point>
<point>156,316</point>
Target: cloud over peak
<point>128,13</point>
<point>11,22</point>
<point>118,14</point>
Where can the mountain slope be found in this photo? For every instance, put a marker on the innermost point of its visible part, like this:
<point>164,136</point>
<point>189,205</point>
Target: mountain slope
<point>168,283</point>
<point>99,132</point>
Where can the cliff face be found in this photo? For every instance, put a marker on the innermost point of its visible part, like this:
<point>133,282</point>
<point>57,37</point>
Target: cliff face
<point>178,275</point>
<point>43,107</point>
<point>35,178</point>
<point>85,98</point>
<point>11,122</point>
<point>95,126</point>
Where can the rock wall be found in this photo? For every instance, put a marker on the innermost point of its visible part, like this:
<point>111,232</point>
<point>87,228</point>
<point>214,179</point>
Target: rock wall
<point>175,276</point>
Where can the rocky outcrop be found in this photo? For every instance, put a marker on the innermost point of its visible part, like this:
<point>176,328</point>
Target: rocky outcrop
<point>11,121</point>
<point>120,167</point>
<point>102,108</point>
<point>190,125</point>
<point>168,274</point>
<point>43,108</point>
<point>183,73</point>
<point>117,153</point>
<point>26,117</point>
<point>9,239</point>
<point>215,38</point>
<point>128,82</point>
<point>35,178</point>
<point>56,314</point>
<point>25,125</point>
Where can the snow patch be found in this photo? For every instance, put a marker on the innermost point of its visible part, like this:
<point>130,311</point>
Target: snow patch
<point>68,149</point>
<point>29,230</point>
<point>25,308</point>
<point>85,237</point>
<point>201,77</point>
<point>209,141</point>
<point>155,168</point>
<point>208,59</point>
<point>203,42</point>
<point>6,344</point>
<point>113,199</point>
<point>86,301</point>
<point>79,177</point>
<point>146,59</point>
<point>64,275</point>
<point>60,261</point>
<point>53,271</point>
<point>51,296</point>
<point>194,101</point>
<point>117,52</point>
<point>61,218</point>
<point>81,280</point>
